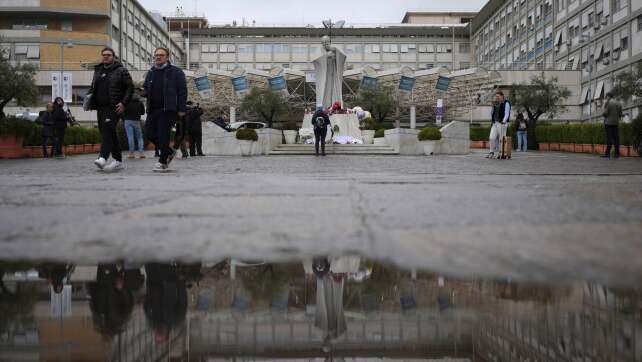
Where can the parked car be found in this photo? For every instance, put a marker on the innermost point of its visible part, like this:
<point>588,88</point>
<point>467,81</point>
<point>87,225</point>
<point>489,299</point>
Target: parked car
<point>246,124</point>
<point>29,116</point>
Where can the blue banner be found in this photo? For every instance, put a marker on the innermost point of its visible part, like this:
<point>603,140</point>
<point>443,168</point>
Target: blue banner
<point>443,83</point>
<point>240,84</point>
<point>277,83</point>
<point>369,83</point>
<point>406,83</point>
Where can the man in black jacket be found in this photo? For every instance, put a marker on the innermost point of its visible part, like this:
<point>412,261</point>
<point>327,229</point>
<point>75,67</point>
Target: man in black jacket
<point>166,92</point>
<point>111,90</point>
<point>195,129</point>
<point>320,122</point>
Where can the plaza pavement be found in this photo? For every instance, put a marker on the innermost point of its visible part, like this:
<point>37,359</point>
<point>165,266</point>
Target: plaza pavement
<point>539,216</point>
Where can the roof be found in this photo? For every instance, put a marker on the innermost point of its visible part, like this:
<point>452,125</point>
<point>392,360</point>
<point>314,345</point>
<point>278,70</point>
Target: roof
<point>443,12</point>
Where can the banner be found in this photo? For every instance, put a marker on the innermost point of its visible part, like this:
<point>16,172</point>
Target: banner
<point>203,87</point>
<point>369,83</point>
<point>443,83</point>
<point>277,83</point>
<point>240,84</point>
<point>439,111</point>
<point>406,83</point>
<point>66,86</point>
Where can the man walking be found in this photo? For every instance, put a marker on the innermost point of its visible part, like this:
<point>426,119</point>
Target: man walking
<point>499,120</point>
<point>111,90</point>
<point>195,128</point>
<point>612,114</point>
<point>166,92</point>
<point>320,121</point>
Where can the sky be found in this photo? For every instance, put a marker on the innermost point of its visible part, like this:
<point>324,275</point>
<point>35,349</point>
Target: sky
<point>302,12</point>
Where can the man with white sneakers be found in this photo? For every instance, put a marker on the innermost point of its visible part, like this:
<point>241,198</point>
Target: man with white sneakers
<point>111,89</point>
<point>500,118</point>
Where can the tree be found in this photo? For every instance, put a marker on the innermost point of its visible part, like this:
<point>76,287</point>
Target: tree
<point>265,104</point>
<point>628,84</point>
<point>541,96</point>
<point>16,82</point>
<point>379,102</point>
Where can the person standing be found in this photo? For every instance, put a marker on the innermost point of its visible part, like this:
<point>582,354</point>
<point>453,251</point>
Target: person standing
<point>60,120</point>
<point>195,128</point>
<point>48,131</point>
<point>612,114</point>
<point>133,111</point>
<point>166,92</point>
<point>111,90</point>
<point>522,133</point>
<point>499,120</point>
<point>320,121</point>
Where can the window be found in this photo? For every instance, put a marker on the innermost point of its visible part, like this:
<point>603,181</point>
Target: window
<point>282,48</point>
<point>245,48</point>
<point>616,5</point>
<point>66,26</point>
<point>300,48</point>
<point>625,43</point>
<point>227,48</point>
<point>373,48</point>
<point>464,65</point>
<point>29,24</point>
<point>131,42</point>
<point>115,33</point>
<point>263,48</point>
<point>464,47</point>
<point>640,23</point>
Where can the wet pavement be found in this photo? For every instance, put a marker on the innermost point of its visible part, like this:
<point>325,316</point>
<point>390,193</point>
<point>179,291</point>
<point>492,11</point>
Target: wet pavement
<point>540,216</point>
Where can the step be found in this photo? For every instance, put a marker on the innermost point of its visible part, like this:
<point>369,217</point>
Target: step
<point>299,149</point>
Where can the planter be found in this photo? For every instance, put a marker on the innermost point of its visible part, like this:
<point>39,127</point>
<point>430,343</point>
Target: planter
<point>246,147</point>
<point>36,151</point>
<point>290,136</point>
<point>599,149</point>
<point>381,141</point>
<point>566,147</point>
<point>587,148</point>
<point>634,153</point>
<point>577,148</point>
<point>368,136</point>
<point>96,147</point>
<point>486,145</point>
<point>554,147</point>
<point>477,144</point>
<point>625,151</point>
<point>544,146</point>
<point>88,148</point>
<point>429,147</point>
<point>11,147</point>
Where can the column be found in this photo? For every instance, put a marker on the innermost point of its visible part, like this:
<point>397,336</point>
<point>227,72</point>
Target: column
<point>413,117</point>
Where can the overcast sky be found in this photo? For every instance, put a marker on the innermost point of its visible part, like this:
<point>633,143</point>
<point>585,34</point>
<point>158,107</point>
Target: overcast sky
<point>301,12</point>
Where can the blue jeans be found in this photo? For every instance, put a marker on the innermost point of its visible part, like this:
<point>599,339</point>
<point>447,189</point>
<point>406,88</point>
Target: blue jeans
<point>133,130</point>
<point>522,141</point>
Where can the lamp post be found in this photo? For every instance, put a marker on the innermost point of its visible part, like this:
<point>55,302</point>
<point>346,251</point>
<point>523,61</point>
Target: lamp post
<point>70,44</point>
<point>586,38</point>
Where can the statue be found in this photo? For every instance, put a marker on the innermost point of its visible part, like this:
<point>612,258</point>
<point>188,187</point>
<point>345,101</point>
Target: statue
<point>329,74</point>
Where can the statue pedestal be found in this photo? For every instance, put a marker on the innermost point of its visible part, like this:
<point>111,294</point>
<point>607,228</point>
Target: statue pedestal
<point>348,126</point>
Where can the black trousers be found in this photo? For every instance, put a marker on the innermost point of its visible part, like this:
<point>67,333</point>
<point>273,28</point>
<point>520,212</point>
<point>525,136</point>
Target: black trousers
<point>612,139</point>
<point>319,138</point>
<point>59,138</point>
<point>195,143</point>
<point>181,136</point>
<point>107,123</point>
<point>158,128</point>
<point>46,141</point>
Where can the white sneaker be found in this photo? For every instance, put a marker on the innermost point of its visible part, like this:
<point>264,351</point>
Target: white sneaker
<point>160,167</point>
<point>100,162</point>
<point>114,166</point>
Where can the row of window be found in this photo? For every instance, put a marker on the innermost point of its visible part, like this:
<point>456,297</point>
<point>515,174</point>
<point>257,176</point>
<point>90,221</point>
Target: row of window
<point>39,24</point>
<point>308,67</point>
<point>347,48</point>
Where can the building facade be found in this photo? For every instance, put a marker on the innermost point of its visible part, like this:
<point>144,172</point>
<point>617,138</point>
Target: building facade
<point>599,38</point>
<point>438,17</point>
<point>385,47</point>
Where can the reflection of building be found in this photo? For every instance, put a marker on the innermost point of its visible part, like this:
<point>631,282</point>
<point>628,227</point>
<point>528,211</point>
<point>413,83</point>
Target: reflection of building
<point>600,38</point>
<point>35,31</point>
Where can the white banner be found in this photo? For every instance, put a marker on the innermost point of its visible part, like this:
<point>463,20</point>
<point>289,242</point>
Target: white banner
<point>66,86</point>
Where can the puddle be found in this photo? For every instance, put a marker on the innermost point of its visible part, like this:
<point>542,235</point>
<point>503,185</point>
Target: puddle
<point>319,309</point>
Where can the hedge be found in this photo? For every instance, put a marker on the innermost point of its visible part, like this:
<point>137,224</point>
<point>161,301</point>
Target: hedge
<point>479,133</point>
<point>582,134</point>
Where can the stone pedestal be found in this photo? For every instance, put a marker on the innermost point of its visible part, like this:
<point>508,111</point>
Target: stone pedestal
<point>218,142</point>
<point>348,125</point>
<point>404,141</point>
<point>455,139</point>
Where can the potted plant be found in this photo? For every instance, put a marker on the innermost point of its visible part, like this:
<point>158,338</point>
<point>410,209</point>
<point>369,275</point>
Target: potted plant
<point>246,137</point>
<point>290,131</point>
<point>368,130</point>
<point>428,137</point>
<point>379,137</point>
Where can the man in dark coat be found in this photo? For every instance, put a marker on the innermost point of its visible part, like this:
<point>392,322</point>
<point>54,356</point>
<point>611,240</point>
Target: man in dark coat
<point>195,129</point>
<point>111,90</point>
<point>60,120</point>
<point>47,130</point>
<point>320,122</point>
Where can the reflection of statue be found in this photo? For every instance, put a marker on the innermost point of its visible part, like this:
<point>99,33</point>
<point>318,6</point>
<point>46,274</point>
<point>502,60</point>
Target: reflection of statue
<point>329,74</point>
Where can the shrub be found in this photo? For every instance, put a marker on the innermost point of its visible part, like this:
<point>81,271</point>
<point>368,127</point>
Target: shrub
<point>543,134</point>
<point>247,134</point>
<point>429,134</point>
<point>626,135</point>
<point>479,133</point>
<point>380,133</point>
<point>13,126</point>
<point>636,134</point>
<point>289,126</point>
<point>368,123</point>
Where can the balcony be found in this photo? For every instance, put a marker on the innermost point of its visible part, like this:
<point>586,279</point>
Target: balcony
<point>23,33</point>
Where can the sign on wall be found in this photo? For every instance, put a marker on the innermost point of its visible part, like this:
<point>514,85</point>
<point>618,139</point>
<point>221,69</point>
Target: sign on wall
<point>406,83</point>
<point>277,83</point>
<point>442,83</point>
<point>203,87</point>
<point>66,87</point>
<point>240,84</point>
<point>369,83</point>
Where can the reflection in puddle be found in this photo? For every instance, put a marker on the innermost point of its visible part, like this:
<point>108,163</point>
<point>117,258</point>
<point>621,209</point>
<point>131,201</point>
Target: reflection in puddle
<point>321,309</point>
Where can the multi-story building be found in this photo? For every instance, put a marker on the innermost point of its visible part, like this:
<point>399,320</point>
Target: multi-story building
<point>438,17</point>
<point>600,38</point>
<point>381,47</point>
<point>37,30</point>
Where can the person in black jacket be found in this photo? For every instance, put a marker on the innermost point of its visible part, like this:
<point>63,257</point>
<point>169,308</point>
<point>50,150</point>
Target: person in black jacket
<point>60,120</point>
<point>111,90</point>
<point>195,129</point>
<point>133,111</point>
<point>165,304</point>
<point>48,130</point>
<point>320,122</point>
<point>166,92</point>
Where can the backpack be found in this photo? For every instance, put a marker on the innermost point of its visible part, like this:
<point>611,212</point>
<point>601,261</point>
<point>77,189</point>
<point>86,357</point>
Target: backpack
<point>318,122</point>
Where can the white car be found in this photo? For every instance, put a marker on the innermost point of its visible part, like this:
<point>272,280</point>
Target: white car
<point>29,116</point>
<point>246,124</point>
